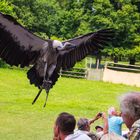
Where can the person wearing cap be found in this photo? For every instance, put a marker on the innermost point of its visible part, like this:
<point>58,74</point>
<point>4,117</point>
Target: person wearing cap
<point>115,121</point>
<point>98,128</point>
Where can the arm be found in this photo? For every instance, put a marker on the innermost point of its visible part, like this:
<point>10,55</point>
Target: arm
<point>95,118</point>
<point>105,122</point>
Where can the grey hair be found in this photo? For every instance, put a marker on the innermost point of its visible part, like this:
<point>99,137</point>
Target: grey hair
<point>130,104</point>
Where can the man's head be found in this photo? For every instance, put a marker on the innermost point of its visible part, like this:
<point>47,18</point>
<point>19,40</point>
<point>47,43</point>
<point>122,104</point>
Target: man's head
<point>65,124</point>
<point>130,108</point>
<point>83,124</point>
<point>98,128</point>
<point>112,111</point>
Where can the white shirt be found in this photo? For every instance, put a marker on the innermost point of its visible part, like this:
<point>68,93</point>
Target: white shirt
<point>100,134</point>
<point>81,132</point>
<point>78,136</point>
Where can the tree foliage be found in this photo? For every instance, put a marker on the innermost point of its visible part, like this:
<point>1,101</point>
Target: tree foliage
<point>64,19</point>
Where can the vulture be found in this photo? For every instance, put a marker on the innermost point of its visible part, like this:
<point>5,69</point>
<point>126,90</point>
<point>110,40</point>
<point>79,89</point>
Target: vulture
<point>20,47</point>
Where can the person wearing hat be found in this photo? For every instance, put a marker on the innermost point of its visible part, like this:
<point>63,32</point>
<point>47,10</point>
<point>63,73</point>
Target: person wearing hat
<point>98,128</point>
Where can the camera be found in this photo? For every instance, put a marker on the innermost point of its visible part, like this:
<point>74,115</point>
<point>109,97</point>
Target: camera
<point>100,114</point>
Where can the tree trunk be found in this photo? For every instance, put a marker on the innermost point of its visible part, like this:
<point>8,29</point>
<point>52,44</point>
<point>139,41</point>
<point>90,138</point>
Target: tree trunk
<point>132,61</point>
<point>115,59</point>
<point>98,61</point>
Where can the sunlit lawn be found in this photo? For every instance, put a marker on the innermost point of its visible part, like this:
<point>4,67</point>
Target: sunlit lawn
<point>20,120</point>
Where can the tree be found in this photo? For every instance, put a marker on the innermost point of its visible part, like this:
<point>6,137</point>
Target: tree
<point>121,15</point>
<point>66,19</point>
<point>6,7</point>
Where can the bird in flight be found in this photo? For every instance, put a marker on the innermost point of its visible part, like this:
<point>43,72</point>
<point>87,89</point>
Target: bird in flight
<point>20,47</point>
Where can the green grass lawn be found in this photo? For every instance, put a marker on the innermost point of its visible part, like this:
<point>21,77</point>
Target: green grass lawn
<point>20,120</point>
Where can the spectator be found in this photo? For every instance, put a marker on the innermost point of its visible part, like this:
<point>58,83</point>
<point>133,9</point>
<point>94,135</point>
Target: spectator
<point>84,128</point>
<point>98,128</point>
<point>114,121</point>
<point>64,128</point>
<point>83,124</point>
<point>130,108</point>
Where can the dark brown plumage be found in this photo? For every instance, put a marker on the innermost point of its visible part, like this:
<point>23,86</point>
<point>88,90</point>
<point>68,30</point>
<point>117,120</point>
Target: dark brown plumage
<point>20,47</point>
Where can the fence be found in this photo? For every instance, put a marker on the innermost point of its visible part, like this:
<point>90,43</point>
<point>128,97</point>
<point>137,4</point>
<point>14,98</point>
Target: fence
<point>74,73</point>
<point>123,67</point>
<point>121,73</point>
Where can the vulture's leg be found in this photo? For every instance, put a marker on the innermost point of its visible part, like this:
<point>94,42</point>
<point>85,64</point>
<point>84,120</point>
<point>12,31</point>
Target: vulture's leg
<point>37,95</point>
<point>41,88</point>
<point>47,83</point>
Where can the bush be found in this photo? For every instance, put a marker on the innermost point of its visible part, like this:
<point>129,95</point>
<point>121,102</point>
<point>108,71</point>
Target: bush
<point>3,64</point>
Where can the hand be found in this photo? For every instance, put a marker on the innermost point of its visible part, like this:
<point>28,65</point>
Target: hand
<point>120,114</point>
<point>99,115</point>
<point>104,115</point>
<point>95,118</point>
<point>56,138</point>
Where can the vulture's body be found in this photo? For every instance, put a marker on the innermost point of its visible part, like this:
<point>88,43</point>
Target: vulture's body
<point>20,47</point>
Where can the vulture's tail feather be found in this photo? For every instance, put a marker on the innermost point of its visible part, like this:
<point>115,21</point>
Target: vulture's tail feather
<point>34,78</point>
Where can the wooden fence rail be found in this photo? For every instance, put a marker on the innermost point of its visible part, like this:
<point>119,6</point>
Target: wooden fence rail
<point>122,67</point>
<point>74,73</point>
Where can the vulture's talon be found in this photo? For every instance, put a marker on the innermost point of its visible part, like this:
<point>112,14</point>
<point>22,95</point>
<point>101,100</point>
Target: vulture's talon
<point>47,85</point>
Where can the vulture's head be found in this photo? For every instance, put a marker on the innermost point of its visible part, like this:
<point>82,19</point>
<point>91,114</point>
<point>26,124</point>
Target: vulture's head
<point>63,47</point>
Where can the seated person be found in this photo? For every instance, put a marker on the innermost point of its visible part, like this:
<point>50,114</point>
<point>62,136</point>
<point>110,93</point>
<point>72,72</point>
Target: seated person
<point>98,128</point>
<point>64,128</point>
<point>130,108</point>
<point>84,128</point>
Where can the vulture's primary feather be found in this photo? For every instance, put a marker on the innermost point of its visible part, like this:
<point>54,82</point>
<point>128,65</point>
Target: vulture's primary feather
<point>19,47</point>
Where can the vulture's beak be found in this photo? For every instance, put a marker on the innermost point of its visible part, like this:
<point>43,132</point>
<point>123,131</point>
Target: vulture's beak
<point>67,47</point>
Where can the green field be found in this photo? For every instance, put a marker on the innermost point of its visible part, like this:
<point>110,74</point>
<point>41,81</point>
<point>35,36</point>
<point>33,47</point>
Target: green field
<point>20,120</point>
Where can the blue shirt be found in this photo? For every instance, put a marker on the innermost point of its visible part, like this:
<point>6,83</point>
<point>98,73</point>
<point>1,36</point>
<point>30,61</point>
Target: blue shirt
<point>115,124</point>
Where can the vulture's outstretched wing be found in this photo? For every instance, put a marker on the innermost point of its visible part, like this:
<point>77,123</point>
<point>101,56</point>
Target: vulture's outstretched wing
<point>18,46</point>
<point>85,45</point>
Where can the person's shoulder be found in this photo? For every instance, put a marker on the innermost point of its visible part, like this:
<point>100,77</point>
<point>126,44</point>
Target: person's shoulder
<point>100,134</point>
<point>84,137</point>
<point>78,136</point>
<point>119,118</point>
<point>112,136</point>
<point>112,118</point>
<point>116,118</point>
<point>93,136</point>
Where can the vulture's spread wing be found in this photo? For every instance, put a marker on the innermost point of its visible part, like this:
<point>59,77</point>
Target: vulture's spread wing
<point>18,46</point>
<point>85,45</point>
